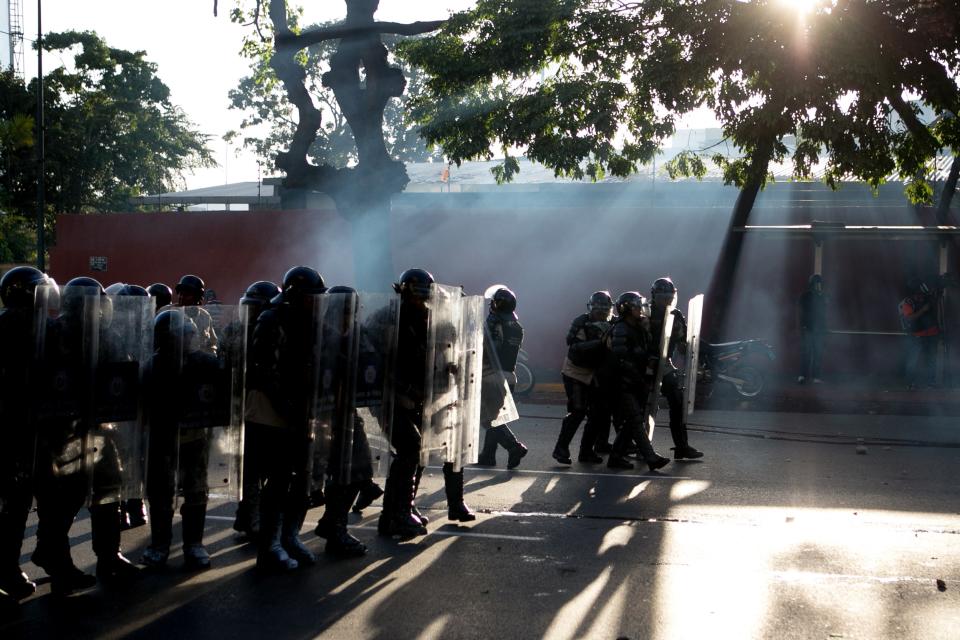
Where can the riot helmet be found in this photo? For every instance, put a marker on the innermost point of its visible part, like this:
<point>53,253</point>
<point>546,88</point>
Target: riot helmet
<point>260,293</point>
<point>341,289</point>
<point>162,293</point>
<point>299,282</point>
<point>115,288</point>
<point>190,290</point>
<point>414,283</point>
<point>75,291</point>
<point>663,290</point>
<point>173,330</point>
<point>18,285</point>
<point>630,300</point>
<point>600,303</point>
<point>134,290</point>
<point>503,301</point>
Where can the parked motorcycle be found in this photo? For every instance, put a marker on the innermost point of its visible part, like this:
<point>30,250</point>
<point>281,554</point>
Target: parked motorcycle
<point>738,364</point>
<point>525,377</point>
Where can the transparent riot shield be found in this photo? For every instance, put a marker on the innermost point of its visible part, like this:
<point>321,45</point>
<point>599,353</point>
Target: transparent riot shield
<point>23,343</point>
<point>67,362</point>
<point>663,362</point>
<point>497,406</point>
<point>694,320</point>
<point>333,417</point>
<point>115,441</point>
<point>451,407</point>
<point>378,317</point>
<point>208,409</point>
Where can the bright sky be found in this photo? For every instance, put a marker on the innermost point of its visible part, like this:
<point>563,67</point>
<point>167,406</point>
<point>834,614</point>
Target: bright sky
<point>196,54</point>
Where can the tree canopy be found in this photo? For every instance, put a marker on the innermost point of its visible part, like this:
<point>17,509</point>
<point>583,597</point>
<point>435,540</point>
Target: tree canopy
<point>593,87</point>
<point>111,133</point>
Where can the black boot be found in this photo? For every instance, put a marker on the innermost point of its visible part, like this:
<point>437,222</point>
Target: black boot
<point>247,520</point>
<point>113,569</point>
<point>568,428</point>
<point>368,492</point>
<point>413,503</point>
<point>334,523</point>
<point>618,456</point>
<point>13,523</point>
<point>396,518</point>
<point>271,556</point>
<point>488,455</point>
<point>453,486</point>
<point>682,449</point>
<point>290,536</point>
<point>53,548</point>
<point>161,535</point>
<point>195,556</point>
<point>517,450</point>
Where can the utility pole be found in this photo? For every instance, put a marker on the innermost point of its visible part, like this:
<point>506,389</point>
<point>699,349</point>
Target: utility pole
<point>41,155</point>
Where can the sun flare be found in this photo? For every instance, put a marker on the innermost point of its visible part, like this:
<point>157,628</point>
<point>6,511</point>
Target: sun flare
<point>801,6</point>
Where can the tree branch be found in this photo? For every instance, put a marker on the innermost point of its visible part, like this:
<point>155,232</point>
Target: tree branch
<point>314,36</point>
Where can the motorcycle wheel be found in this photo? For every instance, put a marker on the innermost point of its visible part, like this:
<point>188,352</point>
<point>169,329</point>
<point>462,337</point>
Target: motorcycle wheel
<point>752,381</point>
<point>525,380</point>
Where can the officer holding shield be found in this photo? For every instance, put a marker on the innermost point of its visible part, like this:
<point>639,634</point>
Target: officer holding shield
<point>663,292</point>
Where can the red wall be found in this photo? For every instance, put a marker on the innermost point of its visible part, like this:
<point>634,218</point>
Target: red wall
<point>553,251</point>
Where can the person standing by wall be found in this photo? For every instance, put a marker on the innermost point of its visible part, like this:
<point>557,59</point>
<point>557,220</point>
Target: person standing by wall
<point>918,317</point>
<point>813,328</point>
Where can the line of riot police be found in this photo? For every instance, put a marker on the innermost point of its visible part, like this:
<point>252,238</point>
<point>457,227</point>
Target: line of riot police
<point>615,371</point>
<point>297,396</point>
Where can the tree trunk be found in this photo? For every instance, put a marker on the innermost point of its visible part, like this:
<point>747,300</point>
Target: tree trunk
<point>722,283</point>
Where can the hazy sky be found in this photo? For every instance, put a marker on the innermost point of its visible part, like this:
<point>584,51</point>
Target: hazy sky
<point>196,54</point>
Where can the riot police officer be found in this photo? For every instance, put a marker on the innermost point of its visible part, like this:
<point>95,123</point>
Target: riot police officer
<point>17,365</point>
<point>178,457</point>
<point>282,352</point>
<point>349,466</point>
<point>62,483</point>
<point>580,381</point>
<point>505,335</point>
<point>256,299</point>
<point>400,516</point>
<point>627,345</point>
<point>663,292</point>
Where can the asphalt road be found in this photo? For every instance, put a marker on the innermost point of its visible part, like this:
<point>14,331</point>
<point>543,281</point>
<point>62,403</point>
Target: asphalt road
<point>784,530</point>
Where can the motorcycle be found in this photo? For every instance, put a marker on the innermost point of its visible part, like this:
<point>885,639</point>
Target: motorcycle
<point>735,363</point>
<point>525,378</point>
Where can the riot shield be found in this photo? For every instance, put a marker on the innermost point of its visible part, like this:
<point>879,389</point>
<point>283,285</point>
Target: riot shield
<point>694,320</point>
<point>497,406</point>
<point>115,441</point>
<point>23,343</point>
<point>663,362</point>
<point>67,355</point>
<point>338,447</point>
<point>378,317</point>
<point>451,407</point>
<point>208,409</point>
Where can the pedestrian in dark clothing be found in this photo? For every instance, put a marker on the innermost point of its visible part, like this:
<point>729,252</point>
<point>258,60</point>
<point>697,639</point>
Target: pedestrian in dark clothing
<point>918,317</point>
<point>813,328</point>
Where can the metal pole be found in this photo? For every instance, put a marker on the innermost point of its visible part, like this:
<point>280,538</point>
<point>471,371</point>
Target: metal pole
<point>41,156</point>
